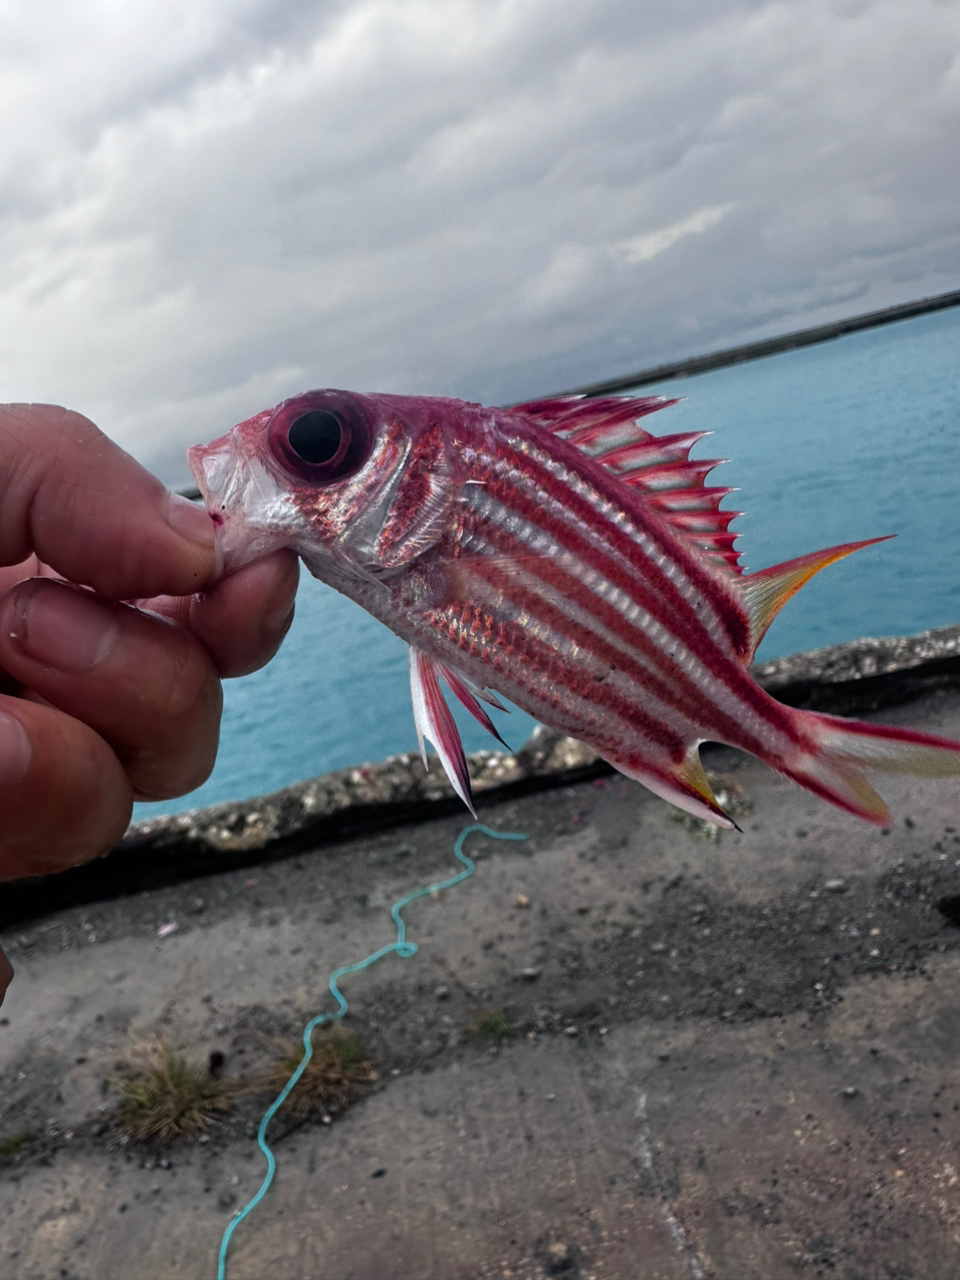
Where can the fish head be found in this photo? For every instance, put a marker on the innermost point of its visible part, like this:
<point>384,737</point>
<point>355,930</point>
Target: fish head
<point>355,483</point>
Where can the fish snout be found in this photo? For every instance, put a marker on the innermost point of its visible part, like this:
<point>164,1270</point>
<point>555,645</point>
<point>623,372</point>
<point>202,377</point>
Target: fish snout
<point>242,500</point>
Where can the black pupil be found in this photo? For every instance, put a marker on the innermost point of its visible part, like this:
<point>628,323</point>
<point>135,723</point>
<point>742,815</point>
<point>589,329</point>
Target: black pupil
<point>315,437</point>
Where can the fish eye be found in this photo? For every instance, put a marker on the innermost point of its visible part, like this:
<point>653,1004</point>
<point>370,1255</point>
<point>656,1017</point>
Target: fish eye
<point>315,437</point>
<point>321,436</point>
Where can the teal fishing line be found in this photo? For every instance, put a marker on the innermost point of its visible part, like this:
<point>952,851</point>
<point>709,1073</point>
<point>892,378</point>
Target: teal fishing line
<point>401,948</point>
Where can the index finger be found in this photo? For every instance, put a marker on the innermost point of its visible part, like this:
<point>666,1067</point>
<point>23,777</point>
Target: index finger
<point>92,512</point>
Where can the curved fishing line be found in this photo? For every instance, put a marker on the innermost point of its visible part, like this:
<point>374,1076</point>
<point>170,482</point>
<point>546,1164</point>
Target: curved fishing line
<point>402,948</point>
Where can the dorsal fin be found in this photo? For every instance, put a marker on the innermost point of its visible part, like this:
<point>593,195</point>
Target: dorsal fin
<point>660,467</point>
<point>768,590</point>
<point>566,415</point>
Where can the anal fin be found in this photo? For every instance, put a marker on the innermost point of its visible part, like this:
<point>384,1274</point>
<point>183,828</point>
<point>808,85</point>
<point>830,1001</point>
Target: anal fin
<point>684,785</point>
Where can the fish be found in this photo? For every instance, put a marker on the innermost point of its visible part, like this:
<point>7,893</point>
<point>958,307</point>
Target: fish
<point>558,555</point>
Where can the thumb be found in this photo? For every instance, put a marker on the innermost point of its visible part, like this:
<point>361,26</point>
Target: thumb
<point>92,513</point>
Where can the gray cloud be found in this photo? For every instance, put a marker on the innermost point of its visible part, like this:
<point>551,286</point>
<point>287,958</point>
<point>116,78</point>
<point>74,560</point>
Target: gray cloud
<point>207,206</point>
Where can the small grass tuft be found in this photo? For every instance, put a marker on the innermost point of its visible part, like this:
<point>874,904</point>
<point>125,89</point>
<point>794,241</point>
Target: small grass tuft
<point>167,1099</point>
<point>335,1076</point>
<point>492,1026</point>
<point>14,1142</point>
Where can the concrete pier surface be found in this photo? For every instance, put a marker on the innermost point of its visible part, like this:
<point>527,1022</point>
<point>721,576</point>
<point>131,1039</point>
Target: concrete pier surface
<point>732,1056</point>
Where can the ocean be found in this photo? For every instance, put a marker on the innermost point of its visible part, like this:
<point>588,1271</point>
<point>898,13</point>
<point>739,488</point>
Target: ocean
<point>848,439</point>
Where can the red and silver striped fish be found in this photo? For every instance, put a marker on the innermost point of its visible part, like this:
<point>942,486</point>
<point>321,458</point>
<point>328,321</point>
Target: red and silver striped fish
<point>558,554</point>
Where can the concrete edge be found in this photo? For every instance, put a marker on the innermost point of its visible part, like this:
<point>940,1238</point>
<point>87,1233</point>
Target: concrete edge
<point>855,678</point>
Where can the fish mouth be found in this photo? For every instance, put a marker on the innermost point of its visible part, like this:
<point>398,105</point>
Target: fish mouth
<point>218,469</point>
<point>211,465</point>
<point>241,501</point>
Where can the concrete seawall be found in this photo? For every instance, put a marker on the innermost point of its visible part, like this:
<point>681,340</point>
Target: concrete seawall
<point>851,679</point>
<point>724,1054</point>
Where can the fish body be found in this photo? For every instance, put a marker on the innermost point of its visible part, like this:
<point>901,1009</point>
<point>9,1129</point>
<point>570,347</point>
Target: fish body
<point>556,553</point>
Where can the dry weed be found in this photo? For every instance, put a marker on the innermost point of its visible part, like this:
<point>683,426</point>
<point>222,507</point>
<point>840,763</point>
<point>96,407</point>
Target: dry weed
<point>166,1098</point>
<point>335,1076</point>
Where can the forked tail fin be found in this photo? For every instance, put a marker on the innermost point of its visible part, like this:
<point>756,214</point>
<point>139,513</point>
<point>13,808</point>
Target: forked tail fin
<point>846,747</point>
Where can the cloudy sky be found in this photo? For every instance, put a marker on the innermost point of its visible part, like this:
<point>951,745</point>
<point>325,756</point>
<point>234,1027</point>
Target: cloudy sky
<point>207,205</point>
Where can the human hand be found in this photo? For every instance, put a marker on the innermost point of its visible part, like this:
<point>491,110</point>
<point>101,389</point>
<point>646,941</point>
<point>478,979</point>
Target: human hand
<point>102,702</point>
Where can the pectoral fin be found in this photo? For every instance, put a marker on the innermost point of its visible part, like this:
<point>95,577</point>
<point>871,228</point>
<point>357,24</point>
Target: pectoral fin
<point>434,722</point>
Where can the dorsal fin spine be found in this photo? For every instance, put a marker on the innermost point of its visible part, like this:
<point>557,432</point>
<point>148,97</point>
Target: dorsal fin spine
<point>656,451</point>
<point>693,499</point>
<point>658,467</point>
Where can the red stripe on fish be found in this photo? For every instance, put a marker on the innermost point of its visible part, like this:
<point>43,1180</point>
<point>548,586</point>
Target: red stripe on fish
<point>544,499</point>
<point>549,497</point>
<point>631,709</point>
<point>662,675</point>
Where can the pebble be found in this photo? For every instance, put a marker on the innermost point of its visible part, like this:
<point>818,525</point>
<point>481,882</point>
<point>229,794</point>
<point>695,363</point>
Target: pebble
<point>442,993</point>
<point>522,901</point>
<point>851,1091</point>
<point>529,974</point>
<point>835,886</point>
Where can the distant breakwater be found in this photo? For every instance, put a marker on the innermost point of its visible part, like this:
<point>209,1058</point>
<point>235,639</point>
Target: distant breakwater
<point>769,346</point>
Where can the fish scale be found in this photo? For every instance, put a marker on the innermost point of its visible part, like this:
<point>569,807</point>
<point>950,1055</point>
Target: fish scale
<point>639,593</point>
<point>671,685</point>
<point>557,553</point>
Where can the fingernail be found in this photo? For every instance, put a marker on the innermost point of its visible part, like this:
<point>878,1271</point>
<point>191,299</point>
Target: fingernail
<point>14,750</point>
<point>61,627</point>
<point>191,520</point>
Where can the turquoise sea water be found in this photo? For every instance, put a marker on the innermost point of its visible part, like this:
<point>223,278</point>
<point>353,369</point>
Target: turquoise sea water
<point>849,439</point>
